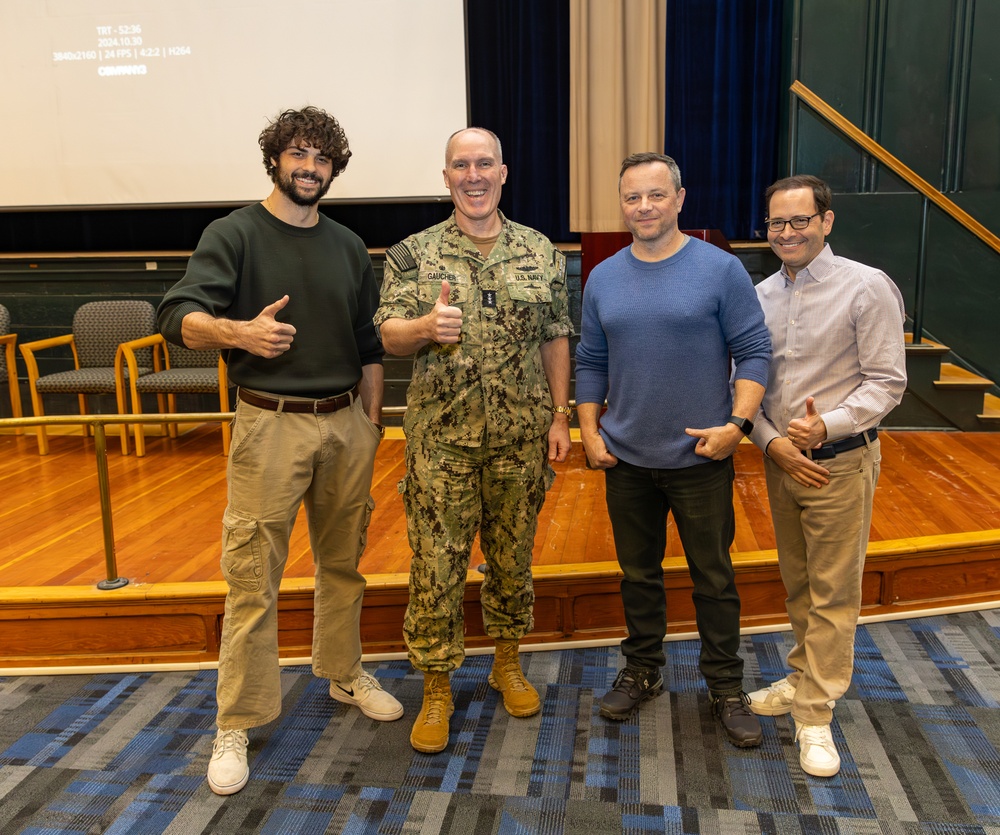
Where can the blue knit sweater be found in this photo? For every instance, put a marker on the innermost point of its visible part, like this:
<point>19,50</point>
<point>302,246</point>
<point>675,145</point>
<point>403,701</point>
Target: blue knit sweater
<point>656,340</point>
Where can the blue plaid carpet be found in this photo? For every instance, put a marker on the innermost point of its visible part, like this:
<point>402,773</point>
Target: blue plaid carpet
<point>919,735</point>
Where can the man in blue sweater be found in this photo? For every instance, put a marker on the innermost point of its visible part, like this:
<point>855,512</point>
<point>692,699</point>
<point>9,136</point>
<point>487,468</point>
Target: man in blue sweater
<point>662,320</point>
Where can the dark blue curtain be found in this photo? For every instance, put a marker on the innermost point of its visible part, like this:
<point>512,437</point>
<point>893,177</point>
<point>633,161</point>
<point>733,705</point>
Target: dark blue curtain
<point>519,89</point>
<point>723,104</point>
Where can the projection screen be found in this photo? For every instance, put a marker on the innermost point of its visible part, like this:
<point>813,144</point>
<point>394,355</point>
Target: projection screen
<point>160,102</point>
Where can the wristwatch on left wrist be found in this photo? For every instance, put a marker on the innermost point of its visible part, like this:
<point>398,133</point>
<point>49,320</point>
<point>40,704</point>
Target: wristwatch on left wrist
<point>745,425</point>
<point>564,410</point>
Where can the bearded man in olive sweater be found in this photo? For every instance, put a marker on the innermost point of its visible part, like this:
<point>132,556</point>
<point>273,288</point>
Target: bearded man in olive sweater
<point>289,296</point>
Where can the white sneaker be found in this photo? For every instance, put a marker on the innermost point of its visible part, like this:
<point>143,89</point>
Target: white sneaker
<point>817,754</point>
<point>774,700</point>
<point>228,771</point>
<point>365,693</point>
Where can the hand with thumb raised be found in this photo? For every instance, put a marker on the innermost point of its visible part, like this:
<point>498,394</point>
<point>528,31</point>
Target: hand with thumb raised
<point>444,320</point>
<point>808,432</point>
<point>265,336</point>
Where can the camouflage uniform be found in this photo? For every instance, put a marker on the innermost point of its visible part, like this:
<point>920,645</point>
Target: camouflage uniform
<point>476,423</point>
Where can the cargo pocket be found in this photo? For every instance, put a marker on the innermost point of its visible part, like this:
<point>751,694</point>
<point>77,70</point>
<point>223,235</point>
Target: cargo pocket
<point>550,477</point>
<point>369,508</point>
<point>242,565</point>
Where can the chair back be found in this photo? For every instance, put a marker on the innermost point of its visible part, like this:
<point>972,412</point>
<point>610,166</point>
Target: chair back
<point>100,327</point>
<point>4,330</point>
<point>181,357</point>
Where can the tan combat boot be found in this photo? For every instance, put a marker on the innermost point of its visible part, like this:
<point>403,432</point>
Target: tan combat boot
<point>430,731</point>
<point>519,697</point>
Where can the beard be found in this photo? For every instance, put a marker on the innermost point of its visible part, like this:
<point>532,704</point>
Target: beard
<point>287,186</point>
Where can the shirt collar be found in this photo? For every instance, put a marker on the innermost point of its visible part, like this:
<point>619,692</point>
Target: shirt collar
<point>462,243</point>
<point>818,269</point>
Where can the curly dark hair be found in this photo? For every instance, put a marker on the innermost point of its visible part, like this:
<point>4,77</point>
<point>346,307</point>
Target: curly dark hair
<point>309,126</point>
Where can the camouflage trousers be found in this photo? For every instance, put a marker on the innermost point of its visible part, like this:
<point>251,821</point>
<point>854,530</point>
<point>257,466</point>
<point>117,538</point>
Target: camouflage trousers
<point>449,493</point>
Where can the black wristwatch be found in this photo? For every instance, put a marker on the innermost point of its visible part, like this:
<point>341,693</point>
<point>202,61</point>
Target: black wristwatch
<point>746,426</point>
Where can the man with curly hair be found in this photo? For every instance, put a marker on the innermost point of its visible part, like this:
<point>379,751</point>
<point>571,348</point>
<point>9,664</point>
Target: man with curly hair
<point>289,296</point>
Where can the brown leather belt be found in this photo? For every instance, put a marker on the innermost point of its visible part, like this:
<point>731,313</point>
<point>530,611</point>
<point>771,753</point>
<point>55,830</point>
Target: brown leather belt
<point>315,407</point>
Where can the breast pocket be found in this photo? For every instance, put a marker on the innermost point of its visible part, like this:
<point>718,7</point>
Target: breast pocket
<point>530,300</point>
<point>429,290</point>
<point>528,288</point>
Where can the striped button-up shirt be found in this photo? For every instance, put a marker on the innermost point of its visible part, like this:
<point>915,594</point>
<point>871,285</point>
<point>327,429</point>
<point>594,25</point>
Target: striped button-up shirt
<point>836,335</point>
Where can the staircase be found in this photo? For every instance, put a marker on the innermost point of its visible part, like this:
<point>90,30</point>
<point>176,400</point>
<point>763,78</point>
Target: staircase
<point>943,395</point>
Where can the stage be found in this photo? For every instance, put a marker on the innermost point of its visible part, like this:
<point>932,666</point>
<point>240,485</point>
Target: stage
<point>934,543</point>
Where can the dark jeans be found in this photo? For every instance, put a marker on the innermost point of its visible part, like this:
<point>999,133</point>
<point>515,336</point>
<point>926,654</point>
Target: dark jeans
<point>701,498</point>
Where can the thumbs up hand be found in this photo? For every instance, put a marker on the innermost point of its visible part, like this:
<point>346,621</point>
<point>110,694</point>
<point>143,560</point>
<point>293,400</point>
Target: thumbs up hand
<point>265,336</point>
<point>808,432</point>
<point>444,322</point>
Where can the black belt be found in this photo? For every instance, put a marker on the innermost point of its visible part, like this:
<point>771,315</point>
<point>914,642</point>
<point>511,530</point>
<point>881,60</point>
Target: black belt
<point>834,449</point>
<point>315,407</point>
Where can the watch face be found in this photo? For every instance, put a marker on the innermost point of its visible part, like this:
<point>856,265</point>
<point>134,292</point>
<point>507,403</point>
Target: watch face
<point>745,425</point>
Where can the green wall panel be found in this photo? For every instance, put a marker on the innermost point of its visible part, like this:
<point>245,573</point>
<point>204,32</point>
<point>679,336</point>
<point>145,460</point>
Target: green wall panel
<point>881,231</point>
<point>832,62</point>
<point>982,144</point>
<point>915,87</point>
<point>823,152</point>
<point>963,294</point>
<point>833,67</point>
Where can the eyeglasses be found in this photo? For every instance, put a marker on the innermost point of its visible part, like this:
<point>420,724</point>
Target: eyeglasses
<point>799,223</point>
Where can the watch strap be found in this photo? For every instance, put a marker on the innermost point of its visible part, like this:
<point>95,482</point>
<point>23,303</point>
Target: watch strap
<point>745,425</point>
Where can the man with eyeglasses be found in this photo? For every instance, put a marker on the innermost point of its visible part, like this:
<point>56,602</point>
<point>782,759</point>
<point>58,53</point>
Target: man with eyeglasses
<point>838,368</point>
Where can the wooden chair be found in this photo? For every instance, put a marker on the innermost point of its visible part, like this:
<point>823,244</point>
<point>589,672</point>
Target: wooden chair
<point>176,370</point>
<point>98,329</point>
<point>8,364</point>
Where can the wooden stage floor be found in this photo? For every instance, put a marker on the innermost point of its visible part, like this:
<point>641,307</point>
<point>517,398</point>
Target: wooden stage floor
<point>167,507</point>
<point>935,544</point>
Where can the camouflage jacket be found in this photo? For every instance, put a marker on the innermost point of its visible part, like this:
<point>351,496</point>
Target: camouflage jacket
<point>490,387</point>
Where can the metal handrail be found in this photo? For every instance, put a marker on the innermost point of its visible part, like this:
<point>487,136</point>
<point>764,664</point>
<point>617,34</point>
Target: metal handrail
<point>929,193</point>
<point>98,422</point>
<point>856,135</point>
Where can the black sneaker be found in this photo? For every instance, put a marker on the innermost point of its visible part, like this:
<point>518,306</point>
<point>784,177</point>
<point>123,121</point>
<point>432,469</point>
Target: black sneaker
<point>740,724</point>
<point>632,687</point>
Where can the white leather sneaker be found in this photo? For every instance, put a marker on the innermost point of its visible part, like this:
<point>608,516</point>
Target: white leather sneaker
<point>817,754</point>
<point>365,693</point>
<point>228,771</point>
<point>774,700</point>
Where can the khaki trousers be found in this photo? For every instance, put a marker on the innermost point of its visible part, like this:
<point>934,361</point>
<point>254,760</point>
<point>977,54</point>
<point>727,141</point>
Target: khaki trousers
<point>822,537</point>
<point>277,461</point>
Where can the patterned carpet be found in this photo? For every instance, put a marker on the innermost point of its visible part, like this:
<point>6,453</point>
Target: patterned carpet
<point>919,735</point>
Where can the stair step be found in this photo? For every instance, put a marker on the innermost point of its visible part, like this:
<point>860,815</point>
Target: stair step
<point>991,408</point>
<point>925,346</point>
<point>956,377</point>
